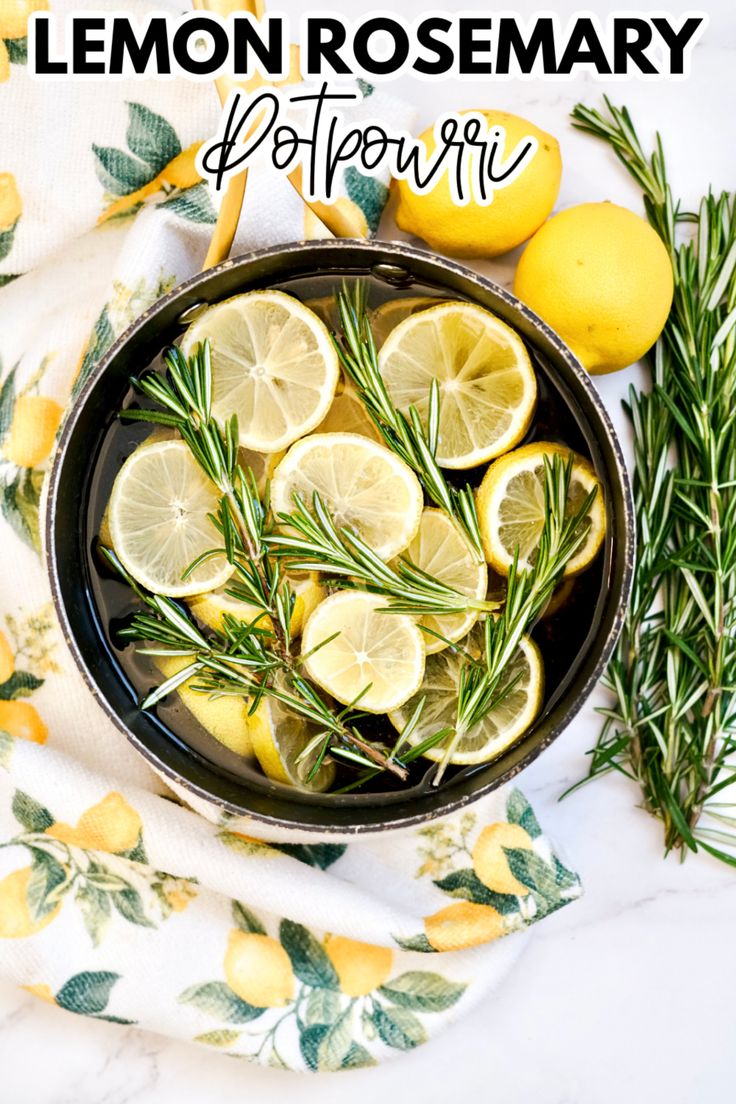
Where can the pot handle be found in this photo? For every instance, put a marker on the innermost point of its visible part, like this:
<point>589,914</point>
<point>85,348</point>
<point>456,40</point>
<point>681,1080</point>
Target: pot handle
<point>341,219</point>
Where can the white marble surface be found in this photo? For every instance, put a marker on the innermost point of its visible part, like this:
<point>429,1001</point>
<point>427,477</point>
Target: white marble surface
<point>626,994</point>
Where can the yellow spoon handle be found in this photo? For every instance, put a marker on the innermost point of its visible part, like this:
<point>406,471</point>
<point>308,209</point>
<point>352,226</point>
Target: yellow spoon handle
<point>342,220</point>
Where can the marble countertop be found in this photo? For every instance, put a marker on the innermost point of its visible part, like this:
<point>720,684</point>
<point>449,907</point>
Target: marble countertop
<point>625,995</point>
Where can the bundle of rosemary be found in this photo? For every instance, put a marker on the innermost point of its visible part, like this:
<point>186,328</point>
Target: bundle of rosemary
<point>673,675</point>
<point>256,659</point>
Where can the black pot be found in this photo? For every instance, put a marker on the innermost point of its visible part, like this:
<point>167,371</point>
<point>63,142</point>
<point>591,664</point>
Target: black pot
<point>67,534</point>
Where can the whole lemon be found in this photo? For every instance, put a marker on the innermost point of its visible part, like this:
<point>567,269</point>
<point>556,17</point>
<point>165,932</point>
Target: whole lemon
<point>32,430</point>
<point>490,861</point>
<point>514,214</point>
<point>16,921</point>
<point>462,925</point>
<point>601,277</point>
<point>361,967</point>
<point>112,825</point>
<point>258,970</point>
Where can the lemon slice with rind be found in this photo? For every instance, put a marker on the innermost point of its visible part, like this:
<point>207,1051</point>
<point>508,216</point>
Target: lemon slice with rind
<point>387,316</point>
<point>279,735</point>
<point>273,364</point>
<point>500,728</point>
<point>348,415</point>
<point>511,512</point>
<point>159,520</point>
<point>224,717</point>
<point>262,465</point>
<point>442,550</point>
<point>210,609</point>
<point>373,651</point>
<point>487,386</point>
<point>362,484</point>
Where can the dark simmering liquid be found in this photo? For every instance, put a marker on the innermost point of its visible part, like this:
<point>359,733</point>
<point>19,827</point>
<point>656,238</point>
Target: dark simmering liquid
<point>562,638</point>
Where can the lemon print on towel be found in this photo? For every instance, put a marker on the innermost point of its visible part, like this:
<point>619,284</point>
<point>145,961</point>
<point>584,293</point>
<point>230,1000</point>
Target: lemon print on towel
<point>153,165</point>
<point>504,874</point>
<point>16,918</point>
<point>70,866</point>
<point>19,719</point>
<point>258,969</point>
<point>361,967</point>
<point>29,423</point>
<point>336,994</point>
<point>14,15</point>
<point>112,825</point>
<point>11,208</point>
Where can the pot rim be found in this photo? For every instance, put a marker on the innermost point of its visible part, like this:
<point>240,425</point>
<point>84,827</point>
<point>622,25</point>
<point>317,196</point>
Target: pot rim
<point>396,251</point>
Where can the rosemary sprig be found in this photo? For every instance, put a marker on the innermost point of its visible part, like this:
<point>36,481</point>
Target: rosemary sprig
<point>185,394</point>
<point>672,726</point>
<point>485,682</point>
<point>311,541</point>
<point>404,435</point>
<point>244,659</point>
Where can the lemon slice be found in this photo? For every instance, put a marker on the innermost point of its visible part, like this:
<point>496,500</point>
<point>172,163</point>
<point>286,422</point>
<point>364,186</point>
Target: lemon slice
<point>159,434</point>
<point>441,549</point>
<point>159,520</point>
<point>385,318</point>
<point>500,728</point>
<point>262,464</point>
<point>381,651</point>
<point>273,364</point>
<point>279,736</point>
<point>361,483</point>
<point>561,595</point>
<point>210,608</point>
<point>511,507</point>
<point>487,385</point>
<point>348,415</point>
<point>225,718</point>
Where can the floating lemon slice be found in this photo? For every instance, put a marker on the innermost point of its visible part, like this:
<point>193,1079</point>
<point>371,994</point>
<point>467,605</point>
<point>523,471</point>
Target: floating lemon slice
<point>487,385</point>
<point>273,364</point>
<point>561,595</point>
<point>386,317</point>
<point>210,608</point>
<point>383,652</point>
<point>225,718</point>
<point>441,550</point>
<point>500,728</point>
<point>159,520</point>
<point>279,736</point>
<point>262,464</point>
<point>348,415</point>
<point>511,507</point>
<point>361,483</point>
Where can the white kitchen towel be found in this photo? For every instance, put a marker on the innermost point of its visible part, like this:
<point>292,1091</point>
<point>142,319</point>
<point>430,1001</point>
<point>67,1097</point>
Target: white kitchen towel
<point>116,900</point>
